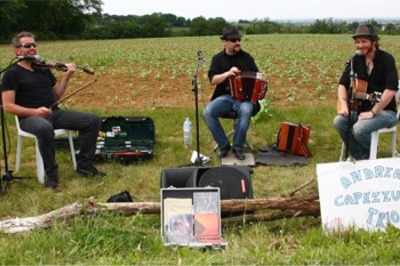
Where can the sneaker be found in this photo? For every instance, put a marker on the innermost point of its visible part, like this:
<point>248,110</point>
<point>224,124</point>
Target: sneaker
<point>89,171</point>
<point>51,182</point>
<point>224,151</point>
<point>239,154</point>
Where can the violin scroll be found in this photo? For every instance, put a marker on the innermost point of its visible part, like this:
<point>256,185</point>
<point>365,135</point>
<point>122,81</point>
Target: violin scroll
<point>86,70</point>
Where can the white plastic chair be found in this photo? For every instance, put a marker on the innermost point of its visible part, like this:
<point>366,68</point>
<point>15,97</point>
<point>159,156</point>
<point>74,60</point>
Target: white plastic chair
<point>375,136</point>
<point>39,160</point>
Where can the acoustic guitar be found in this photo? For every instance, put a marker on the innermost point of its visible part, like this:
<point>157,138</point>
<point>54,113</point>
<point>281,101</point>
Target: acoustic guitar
<point>360,94</point>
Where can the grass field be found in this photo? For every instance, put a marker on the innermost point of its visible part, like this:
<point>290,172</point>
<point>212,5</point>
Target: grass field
<point>152,77</point>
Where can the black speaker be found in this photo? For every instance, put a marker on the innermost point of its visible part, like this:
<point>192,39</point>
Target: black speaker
<point>178,177</point>
<point>234,181</point>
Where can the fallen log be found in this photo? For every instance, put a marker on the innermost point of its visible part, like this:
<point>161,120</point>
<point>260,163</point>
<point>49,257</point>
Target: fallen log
<point>252,218</point>
<point>88,207</point>
<point>308,202</point>
<point>307,205</point>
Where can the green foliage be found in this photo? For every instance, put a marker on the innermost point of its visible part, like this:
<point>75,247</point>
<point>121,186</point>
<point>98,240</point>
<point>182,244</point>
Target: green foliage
<point>200,26</point>
<point>82,19</point>
<point>263,113</point>
<point>264,27</point>
<point>62,19</point>
<point>9,17</point>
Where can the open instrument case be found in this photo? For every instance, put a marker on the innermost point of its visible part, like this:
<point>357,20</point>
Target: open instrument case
<point>191,217</point>
<point>126,139</point>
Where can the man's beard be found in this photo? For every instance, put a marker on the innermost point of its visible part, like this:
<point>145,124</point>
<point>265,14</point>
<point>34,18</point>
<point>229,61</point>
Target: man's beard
<point>236,49</point>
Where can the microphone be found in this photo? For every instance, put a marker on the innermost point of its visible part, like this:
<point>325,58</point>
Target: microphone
<point>350,60</point>
<point>358,52</point>
<point>28,57</point>
<point>201,55</point>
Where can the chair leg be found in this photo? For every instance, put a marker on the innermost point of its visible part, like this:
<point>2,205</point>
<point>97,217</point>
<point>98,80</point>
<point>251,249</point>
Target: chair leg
<point>72,148</point>
<point>374,145</point>
<point>39,161</point>
<point>39,164</point>
<point>394,149</point>
<point>18,154</point>
<point>250,145</point>
<point>231,133</point>
<point>228,136</point>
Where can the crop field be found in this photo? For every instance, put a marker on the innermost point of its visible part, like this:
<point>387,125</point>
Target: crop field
<point>153,77</point>
<point>157,73</point>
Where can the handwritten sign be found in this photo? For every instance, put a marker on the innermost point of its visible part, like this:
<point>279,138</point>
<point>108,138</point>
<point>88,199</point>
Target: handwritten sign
<point>363,194</point>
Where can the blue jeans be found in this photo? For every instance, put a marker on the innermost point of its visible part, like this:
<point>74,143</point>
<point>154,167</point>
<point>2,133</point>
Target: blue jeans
<point>360,134</point>
<point>43,128</point>
<point>221,106</point>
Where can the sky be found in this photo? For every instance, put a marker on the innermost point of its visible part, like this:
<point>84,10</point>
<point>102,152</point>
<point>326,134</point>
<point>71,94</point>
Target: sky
<point>258,9</point>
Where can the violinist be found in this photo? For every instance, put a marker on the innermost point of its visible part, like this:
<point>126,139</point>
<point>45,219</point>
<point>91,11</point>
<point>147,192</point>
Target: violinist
<point>30,94</point>
<point>371,71</point>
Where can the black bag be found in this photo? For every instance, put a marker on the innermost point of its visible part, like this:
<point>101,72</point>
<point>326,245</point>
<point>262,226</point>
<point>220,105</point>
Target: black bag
<point>121,197</point>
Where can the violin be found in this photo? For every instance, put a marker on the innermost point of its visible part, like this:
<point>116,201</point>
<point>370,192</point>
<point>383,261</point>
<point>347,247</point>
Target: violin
<point>360,94</point>
<point>59,66</point>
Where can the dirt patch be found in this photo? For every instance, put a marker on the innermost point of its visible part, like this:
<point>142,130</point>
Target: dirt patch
<point>117,92</point>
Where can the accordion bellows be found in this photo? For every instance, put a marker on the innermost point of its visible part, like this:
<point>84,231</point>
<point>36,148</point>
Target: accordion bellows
<point>248,86</point>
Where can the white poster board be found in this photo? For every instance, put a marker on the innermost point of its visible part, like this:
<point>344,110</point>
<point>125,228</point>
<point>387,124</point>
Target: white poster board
<point>363,194</point>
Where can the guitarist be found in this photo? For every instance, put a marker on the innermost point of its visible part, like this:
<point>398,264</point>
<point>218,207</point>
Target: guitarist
<point>370,70</point>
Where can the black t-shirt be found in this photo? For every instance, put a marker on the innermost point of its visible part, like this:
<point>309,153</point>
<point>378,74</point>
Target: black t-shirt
<point>33,89</point>
<point>383,76</point>
<point>222,62</point>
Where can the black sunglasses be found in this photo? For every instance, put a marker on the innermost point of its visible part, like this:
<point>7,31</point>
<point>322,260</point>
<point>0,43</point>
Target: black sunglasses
<point>28,45</point>
<point>235,40</point>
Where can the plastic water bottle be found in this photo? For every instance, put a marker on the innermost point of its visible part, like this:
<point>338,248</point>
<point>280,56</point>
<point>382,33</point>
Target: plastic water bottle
<point>187,132</point>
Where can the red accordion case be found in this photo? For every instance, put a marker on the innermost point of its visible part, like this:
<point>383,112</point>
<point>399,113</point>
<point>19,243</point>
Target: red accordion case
<point>293,138</point>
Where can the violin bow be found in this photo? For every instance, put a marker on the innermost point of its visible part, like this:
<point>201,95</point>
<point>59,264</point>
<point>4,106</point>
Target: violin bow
<point>73,93</point>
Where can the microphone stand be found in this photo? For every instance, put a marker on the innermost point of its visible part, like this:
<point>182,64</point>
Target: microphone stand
<point>7,176</point>
<point>353,77</point>
<point>198,160</point>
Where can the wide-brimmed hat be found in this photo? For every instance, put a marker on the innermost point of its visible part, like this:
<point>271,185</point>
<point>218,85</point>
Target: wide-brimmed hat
<point>366,30</point>
<point>229,33</point>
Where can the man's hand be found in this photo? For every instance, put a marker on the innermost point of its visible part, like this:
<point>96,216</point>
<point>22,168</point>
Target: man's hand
<point>43,111</point>
<point>366,115</point>
<point>71,67</point>
<point>344,110</point>
<point>233,71</point>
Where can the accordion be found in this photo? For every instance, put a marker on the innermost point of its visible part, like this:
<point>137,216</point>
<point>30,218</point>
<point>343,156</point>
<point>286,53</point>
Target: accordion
<point>248,86</point>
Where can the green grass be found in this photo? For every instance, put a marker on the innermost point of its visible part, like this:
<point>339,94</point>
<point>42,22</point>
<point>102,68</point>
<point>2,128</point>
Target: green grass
<point>111,239</point>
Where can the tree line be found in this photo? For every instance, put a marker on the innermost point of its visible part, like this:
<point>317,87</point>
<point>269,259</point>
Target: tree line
<point>83,19</point>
